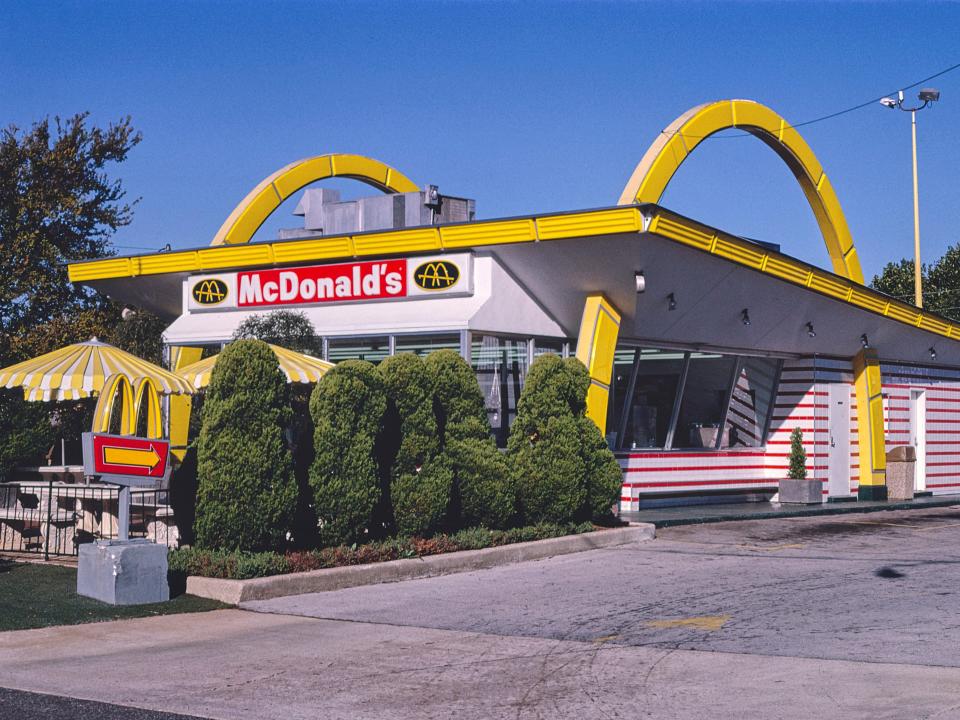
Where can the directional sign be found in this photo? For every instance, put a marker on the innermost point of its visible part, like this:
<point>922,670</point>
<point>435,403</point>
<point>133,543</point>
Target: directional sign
<point>125,459</point>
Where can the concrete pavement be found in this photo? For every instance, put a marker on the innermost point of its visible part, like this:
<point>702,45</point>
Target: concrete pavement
<point>833,618</point>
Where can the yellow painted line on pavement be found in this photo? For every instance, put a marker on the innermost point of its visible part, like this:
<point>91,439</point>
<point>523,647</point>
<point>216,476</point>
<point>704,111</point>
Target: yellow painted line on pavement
<point>605,638</point>
<point>710,623</point>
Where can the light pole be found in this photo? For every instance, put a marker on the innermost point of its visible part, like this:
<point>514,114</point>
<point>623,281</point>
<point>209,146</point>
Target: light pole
<point>926,96</point>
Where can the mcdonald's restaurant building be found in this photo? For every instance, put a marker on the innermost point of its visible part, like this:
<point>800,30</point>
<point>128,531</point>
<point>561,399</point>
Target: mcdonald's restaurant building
<point>705,349</point>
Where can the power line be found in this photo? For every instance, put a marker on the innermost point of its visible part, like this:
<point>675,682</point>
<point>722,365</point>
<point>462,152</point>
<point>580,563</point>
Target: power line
<point>832,115</point>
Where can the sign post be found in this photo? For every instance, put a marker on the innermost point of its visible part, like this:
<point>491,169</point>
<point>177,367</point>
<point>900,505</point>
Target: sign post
<point>125,571</point>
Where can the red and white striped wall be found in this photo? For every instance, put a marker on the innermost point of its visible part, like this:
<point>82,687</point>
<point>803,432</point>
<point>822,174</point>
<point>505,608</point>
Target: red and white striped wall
<point>803,401</point>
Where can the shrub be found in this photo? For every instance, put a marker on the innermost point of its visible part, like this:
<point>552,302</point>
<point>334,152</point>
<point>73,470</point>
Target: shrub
<point>347,408</point>
<point>420,477</point>
<point>247,494</point>
<point>562,467</point>
<point>798,456</point>
<point>482,492</point>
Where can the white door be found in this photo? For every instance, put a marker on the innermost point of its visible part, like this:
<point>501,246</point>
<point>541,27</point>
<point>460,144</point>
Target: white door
<point>838,462</point>
<point>918,435</point>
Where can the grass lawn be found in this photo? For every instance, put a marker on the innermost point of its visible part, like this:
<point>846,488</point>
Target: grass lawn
<point>33,596</point>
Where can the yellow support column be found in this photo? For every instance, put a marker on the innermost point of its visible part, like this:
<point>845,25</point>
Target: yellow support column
<point>180,405</point>
<point>596,346</point>
<point>873,446</point>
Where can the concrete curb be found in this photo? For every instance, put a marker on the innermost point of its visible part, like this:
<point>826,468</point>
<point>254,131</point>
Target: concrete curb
<point>235,592</point>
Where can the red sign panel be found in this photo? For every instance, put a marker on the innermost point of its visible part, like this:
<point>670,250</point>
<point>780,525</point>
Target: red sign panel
<point>140,457</point>
<point>323,283</point>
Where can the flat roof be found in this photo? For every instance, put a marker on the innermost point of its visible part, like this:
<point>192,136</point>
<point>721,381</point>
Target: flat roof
<point>112,275</point>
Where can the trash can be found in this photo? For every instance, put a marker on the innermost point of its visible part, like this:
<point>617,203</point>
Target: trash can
<point>901,471</point>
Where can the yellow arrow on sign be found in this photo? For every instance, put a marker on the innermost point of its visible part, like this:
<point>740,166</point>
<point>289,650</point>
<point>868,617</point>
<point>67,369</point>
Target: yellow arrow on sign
<point>132,458</point>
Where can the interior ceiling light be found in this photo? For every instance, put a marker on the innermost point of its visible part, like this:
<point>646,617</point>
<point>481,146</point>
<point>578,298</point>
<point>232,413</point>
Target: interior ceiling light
<point>864,341</point>
<point>810,331</point>
<point>933,353</point>
<point>639,281</point>
<point>745,316</point>
<point>672,302</point>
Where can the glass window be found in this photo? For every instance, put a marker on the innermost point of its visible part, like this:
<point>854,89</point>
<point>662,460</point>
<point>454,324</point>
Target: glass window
<point>648,413</point>
<point>371,349</point>
<point>751,402</point>
<point>426,344</point>
<point>704,400</point>
<point>542,347</point>
<point>501,367</point>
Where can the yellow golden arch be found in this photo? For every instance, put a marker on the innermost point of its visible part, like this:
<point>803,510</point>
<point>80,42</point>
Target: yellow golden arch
<point>256,207</point>
<point>141,397</point>
<point>671,148</point>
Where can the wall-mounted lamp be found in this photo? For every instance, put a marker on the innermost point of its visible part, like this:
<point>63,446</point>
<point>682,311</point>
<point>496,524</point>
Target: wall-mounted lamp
<point>745,316</point>
<point>864,341</point>
<point>639,281</point>
<point>671,302</point>
<point>933,353</point>
<point>810,331</point>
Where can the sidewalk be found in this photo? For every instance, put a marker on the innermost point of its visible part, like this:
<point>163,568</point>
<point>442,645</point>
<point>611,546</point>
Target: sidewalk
<point>696,514</point>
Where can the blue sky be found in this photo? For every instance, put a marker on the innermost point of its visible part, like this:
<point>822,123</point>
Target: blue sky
<point>527,107</point>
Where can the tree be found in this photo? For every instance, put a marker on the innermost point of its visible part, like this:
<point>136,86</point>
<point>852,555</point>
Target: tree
<point>292,330</point>
<point>140,333</point>
<point>481,492</point>
<point>347,408</point>
<point>57,203</point>
<point>247,493</point>
<point>896,280</point>
<point>420,478</point>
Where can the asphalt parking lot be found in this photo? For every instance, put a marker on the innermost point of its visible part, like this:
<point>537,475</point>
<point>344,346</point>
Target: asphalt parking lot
<point>850,616</point>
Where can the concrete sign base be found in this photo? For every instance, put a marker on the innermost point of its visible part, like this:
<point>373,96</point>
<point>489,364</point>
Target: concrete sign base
<point>123,572</point>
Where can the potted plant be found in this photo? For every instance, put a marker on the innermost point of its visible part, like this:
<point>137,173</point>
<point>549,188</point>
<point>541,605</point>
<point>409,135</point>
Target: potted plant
<point>796,487</point>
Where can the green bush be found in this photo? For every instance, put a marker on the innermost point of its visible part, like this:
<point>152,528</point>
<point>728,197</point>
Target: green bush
<point>247,494</point>
<point>420,477</point>
<point>482,491</point>
<point>563,470</point>
<point>347,407</point>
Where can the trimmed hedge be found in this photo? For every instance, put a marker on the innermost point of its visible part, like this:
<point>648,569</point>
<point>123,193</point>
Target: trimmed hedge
<point>562,467</point>
<point>247,493</point>
<point>482,490</point>
<point>347,408</point>
<point>420,477</point>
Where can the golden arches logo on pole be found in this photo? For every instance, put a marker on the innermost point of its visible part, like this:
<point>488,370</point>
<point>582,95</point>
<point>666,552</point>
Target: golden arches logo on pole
<point>671,148</point>
<point>135,399</point>
<point>257,206</point>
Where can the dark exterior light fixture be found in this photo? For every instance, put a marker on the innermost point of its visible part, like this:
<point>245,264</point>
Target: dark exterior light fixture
<point>933,353</point>
<point>745,316</point>
<point>671,302</point>
<point>864,341</point>
<point>810,331</point>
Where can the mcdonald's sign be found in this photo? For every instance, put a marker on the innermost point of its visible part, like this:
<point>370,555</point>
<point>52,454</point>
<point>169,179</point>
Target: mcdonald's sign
<point>335,283</point>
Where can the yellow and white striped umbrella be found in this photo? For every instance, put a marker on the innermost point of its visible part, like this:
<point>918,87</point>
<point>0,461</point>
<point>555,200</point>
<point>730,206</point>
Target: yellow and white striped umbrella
<point>295,366</point>
<point>80,370</point>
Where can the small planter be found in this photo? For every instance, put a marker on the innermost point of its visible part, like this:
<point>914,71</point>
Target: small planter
<point>801,492</point>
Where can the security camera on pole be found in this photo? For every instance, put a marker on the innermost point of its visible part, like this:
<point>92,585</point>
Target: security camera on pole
<point>926,96</point>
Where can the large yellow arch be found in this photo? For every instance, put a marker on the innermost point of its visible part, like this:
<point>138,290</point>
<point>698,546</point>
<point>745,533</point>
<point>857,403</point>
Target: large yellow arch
<point>256,207</point>
<point>671,148</point>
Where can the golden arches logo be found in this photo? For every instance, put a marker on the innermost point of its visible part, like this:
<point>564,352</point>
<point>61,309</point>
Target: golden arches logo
<point>436,275</point>
<point>211,291</point>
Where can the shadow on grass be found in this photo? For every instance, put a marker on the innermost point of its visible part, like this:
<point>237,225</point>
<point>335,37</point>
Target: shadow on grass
<point>35,595</point>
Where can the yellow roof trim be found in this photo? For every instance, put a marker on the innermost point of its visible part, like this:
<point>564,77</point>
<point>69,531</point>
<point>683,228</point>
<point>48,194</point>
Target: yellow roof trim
<point>556,226</point>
